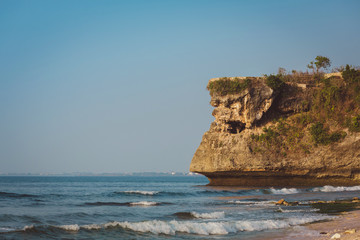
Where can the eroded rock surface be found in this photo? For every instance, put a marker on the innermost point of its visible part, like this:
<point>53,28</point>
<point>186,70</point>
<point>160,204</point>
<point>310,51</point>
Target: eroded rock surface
<point>235,112</point>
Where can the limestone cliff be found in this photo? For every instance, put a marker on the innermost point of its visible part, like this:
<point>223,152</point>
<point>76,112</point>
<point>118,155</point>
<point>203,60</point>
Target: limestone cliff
<point>261,137</point>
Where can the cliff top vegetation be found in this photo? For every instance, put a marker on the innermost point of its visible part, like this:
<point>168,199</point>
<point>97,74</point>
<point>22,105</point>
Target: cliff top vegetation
<point>225,86</point>
<point>329,112</point>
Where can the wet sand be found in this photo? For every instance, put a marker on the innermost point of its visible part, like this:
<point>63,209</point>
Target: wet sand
<point>347,225</point>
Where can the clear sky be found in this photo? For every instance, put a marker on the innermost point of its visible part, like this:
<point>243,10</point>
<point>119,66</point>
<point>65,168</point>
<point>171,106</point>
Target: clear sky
<point>120,86</point>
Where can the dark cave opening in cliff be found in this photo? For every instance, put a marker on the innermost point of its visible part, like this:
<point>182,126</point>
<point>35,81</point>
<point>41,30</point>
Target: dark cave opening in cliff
<point>235,127</point>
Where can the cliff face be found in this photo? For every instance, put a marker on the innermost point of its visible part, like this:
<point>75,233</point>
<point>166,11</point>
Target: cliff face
<point>257,139</point>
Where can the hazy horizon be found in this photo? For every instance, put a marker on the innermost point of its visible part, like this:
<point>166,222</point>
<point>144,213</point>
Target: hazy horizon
<point>120,86</point>
<point>146,173</point>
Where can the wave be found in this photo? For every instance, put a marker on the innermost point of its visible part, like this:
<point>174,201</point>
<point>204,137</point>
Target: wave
<point>213,215</point>
<point>92,227</point>
<point>284,191</point>
<point>27,228</point>
<point>193,215</point>
<point>263,203</point>
<point>72,227</point>
<point>329,188</point>
<point>106,204</point>
<point>190,227</point>
<point>16,195</point>
<point>211,228</point>
<point>152,193</point>
<point>6,229</point>
<point>137,192</point>
<point>297,210</point>
<point>169,193</point>
<point>142,203</point>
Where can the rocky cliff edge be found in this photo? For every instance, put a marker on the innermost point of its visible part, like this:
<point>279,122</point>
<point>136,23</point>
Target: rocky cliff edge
<point>263,136</point>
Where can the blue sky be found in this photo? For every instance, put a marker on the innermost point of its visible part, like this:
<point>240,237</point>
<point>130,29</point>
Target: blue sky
<point>120,86</point>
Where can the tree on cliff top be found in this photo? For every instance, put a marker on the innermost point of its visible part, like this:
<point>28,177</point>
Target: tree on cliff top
<point>320,62</point>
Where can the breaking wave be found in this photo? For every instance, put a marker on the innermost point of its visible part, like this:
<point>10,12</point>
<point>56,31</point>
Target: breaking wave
<point>192,215</point>
<point>73,227</point>
<point>198,228</point>
<point>152,193</point>
<point>297,210</point>
<point>211,228</point>
<point>6,229</point>
<point>252,202</point>
<point>206,228</point>
<point>213,215</point>
<point>140,192</point>
<point>142,203</point>
<point>284,191</point>
<point>335,189</point>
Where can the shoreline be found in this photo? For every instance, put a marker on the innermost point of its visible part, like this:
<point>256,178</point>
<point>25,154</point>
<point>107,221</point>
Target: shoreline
<point>345,226</point>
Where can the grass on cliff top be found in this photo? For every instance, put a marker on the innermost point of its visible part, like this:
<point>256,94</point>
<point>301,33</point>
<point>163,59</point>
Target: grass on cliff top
<point>225,86</point>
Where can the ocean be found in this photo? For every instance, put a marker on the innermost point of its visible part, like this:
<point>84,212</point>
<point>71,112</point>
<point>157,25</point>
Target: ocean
<point>166,207</point>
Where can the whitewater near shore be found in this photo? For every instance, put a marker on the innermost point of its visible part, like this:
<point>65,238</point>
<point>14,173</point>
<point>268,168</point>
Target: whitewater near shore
<point>158,208</point>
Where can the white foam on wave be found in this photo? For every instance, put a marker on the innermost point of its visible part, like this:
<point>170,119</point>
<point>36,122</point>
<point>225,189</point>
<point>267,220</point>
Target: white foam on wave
<point>141,192</point>
<point>298,210</point>
<point>92,227</point>
<point>211,228</point>
<point>213,215</point>
<point>262,203</point>
<point>28,227</point>
<point>6,229</point>
<point>198,228</point>
<point>143,203</point>
<point>72,227</point>
<point>284,191</point>
<point>329,188</point>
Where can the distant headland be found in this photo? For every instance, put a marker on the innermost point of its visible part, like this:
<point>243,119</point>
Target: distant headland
<point>288,129</point>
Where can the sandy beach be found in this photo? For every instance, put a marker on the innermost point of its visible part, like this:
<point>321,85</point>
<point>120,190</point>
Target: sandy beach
<point>345,226</point>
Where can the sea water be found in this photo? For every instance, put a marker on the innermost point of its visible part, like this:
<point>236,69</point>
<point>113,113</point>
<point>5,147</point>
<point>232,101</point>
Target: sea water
<point>167,207</point>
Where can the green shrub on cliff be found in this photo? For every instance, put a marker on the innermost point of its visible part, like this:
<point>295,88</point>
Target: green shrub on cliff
<point>328,98</point>
<point>321,135</point>
<point>274,82</point>
<point>352,78</point>
<point>350,74</point>
<point>269,137</point>
<point>225,86</point>
<point>354,124</point>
